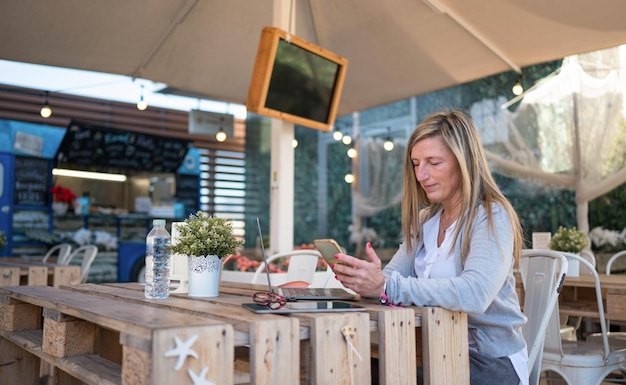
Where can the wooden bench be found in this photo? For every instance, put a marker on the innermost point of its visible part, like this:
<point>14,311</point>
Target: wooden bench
<point>102,341</point>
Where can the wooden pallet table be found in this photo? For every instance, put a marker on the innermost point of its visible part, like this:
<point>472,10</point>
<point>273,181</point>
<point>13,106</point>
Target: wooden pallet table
<point>127,337</point>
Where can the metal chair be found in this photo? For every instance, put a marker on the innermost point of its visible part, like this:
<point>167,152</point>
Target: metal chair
<point>612,260</point>
<point>542,273</point>
<point>581,362</point>
<point>302,265</point>
<point>616,339</point>
<point>87,254</point>
<point>62,250</point>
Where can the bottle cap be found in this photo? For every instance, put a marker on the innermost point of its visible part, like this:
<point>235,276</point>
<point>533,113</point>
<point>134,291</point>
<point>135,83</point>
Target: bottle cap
<point>158,222</point>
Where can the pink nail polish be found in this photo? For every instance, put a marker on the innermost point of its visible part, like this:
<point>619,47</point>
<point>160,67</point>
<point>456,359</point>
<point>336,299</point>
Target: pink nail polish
<point>336,256</point>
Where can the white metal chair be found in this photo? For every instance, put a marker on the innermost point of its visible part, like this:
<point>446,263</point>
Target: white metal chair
<point>302,265</point>
<point>62,250</point>
<point>571,325</point>
<point>542,273</point>
<point>612,260</point>
<point>616,339</point>
<point>581,362</point>
<point>87,254</point>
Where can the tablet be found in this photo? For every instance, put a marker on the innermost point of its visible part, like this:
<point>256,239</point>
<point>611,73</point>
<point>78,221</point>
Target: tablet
<point>305,307</point>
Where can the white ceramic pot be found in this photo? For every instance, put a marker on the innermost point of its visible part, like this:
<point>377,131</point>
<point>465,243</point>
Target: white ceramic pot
<point>204,276</point>
<point>573,267</point>
<point>59,208</point>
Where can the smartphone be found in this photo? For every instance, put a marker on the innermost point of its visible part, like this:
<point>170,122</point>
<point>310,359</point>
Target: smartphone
<point>328,248</point>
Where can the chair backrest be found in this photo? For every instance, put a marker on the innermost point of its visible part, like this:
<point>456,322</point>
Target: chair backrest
<point>553,337</point>
<point>543,272</point>
<point>302,265</point>
<point>88,254</point>
<point>616,256</point>
<point>62,250</point>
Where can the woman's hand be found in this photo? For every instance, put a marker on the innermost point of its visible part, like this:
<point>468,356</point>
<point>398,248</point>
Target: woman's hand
<point>364,277</point>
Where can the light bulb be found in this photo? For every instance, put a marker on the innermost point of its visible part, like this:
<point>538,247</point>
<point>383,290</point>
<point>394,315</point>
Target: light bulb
<point>388,145</point>
<point>349,178</point>
<point>352,153</point>
<point>141,104</point>
<point>294,143</point>
<point>337,135</point>
<point>347,139</point>
<point>220,136</point>
<point>45,111</point>
<point>517,87</point>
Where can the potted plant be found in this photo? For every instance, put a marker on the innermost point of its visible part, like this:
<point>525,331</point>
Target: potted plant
<point>205,240</point>
<point>3,240</point>
<point>62,198</point>
<point>569,240</point>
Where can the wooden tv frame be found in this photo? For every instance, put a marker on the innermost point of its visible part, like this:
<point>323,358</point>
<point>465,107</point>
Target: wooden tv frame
<point>262,73</point>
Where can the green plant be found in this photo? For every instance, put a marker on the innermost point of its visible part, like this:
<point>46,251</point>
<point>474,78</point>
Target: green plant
<point>570,240</point>
<point>3,240</point>
<point>204,235</point>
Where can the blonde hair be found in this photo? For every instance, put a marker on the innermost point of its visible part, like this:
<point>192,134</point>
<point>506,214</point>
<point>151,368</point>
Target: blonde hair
<point>477,184</point>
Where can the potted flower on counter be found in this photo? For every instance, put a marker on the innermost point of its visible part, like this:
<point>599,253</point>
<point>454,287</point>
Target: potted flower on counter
<point>62,198</point>
<point>205,240</point>
<point>569,240</point>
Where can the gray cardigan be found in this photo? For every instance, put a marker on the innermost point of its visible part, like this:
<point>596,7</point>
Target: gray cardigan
<point>484,286</point>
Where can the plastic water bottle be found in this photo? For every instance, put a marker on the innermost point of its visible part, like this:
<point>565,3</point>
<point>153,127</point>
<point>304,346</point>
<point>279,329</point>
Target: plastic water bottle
<point>158,261</point>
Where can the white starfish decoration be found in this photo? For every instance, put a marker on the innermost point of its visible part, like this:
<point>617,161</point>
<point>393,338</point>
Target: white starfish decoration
<point>198,379</point>
<point>182,350</point>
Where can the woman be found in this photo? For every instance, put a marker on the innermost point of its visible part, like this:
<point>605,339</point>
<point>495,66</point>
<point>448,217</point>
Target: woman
<point>461,241</point>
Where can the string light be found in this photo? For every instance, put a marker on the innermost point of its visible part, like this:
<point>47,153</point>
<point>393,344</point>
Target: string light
<point>45,111</point>
<point>388,145</point>
<point>294,143</point>
<point>337,135</point>
<point>221,135</point>
<point>517,87</point>
<point>346,139</point>
<point>349,178</point>
<point>141,104</point>
<point>352,153</point>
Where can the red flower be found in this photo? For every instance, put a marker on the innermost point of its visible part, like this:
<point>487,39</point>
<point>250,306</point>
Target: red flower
<point>62,194</point>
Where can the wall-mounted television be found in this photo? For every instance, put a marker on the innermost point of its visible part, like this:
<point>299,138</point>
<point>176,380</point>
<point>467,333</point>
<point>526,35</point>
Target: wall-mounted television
<point>296,81</point>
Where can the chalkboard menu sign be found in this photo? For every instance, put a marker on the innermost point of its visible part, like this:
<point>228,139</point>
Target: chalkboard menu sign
<point>187,192</point>
<point>32,176</point>
<point>106,148</point>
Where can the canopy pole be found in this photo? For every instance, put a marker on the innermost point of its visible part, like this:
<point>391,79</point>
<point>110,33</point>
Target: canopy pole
<point>282,158</point>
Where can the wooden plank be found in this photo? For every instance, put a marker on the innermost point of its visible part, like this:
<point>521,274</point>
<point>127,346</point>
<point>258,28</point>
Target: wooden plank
<point>212,362</point>
<point>65,275</point>
<point>397,362</point>
<point>222,311</point>
<point>445,331</point>
<point>90,369</point>
<point>616,305</point>
<point>333,359</point>
<point>116,315</point>
<point>17,366</point>
<point>9,276</point>
<point>37,275</point>
<point>275,351</point>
